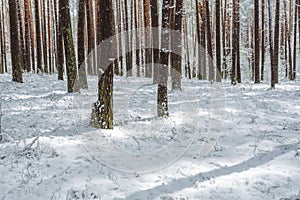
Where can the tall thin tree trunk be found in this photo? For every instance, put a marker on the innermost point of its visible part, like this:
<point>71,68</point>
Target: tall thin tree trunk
<point>80,45</point>
<point>162,92</point>
<point>295,39</point>
<point>218,41</point>
<point>22,55</point>
<point>155,37</point>
<point>38,36</point>
<point>238,59</point>
<point>1,58</point>
<point>91,38</point>
<point>203,48</point>
<point>209,43</point>
<point>103,109</point>
<point>27,34</point>
<point>176,72</point>
<point>224,42</point>
<point>262,39</point>
<point>3,38</point>
<point>148,51</point>
<point>256,42</point>
<point>66,28</point>
<point>274,78</point>
<point>14,42</point>
<point>44,36</point>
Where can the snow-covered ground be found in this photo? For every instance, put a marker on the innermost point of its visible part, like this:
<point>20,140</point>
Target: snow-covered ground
<point>46,152</point>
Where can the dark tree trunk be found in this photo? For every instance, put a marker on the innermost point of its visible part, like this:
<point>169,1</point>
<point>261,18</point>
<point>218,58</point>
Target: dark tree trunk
<point>50,53</point>
<point>103,109</point>
<point>66,29</point>
<point>80,45</point>
<point>224,33</point>
<point>91,39</point>
<point>155,38</point>
<point>238,60</point>
<point>209,43</point>
<point>290,42</point>
<point>14,42</point>
<point>2,70</point>
<point>118,62</point>
<point>4,40</point>
<point>198,22</point>
<point>44,36</point>
<point>293,75</point>
<point>162,92</point>
<point>137,39</point>
<point>128,43</point>
<point>176,71</point>
<point>262,39</point>
<point>218,41</point>
<point>256,42</point>
<point>38,37</point>
<point>274,78</point>
<point>27,34</point>
<point>203,47</point>
<point>148,51</point>
<point>22,54</point>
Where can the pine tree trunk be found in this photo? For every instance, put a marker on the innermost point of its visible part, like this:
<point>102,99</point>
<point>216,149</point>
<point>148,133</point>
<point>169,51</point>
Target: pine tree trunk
<point>162,92</point>
<point>218,41</point>
<point>295,39</point>
<point>128,42</point>
<point>1,55</point>
<point>203,47</point>
<point>91,39</point>
<point>66,28</point>
<point>27,34</point>
<point>14,42</point>
<point>103,109</point>
<point>262,39</point>
<point>257,42</point>
<point>148,51</point>
<point>38,36</point>
<point>44,36</point>
<point>155,38</point>
<point>176,72</point>
<point>238,59</point>
<point>224,41</point>
<point>4,40</point>
<point>274,78</point>
<point>209,43</point>
<point>290,42</point>
<point>80,45</point>
<point>22,54</point>
<point>198,23</point>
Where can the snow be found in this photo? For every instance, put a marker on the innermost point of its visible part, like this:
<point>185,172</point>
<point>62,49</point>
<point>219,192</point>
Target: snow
<point>49,152</point>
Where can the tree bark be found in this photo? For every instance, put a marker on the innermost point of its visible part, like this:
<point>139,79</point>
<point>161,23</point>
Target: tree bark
<point>256,42</point>
<point>262,39</point>
<point>162,92</point>
<point>103,109</point>
<point>66,29</point>
<point>155,38</point>
<point>274,78</point>
<point>80,45</point>
<point>209,43</point>
<point>14,42</point>
<point>38,37</point>
<point>176,72</point>
<point>218,41</point>
<point>148,51</point>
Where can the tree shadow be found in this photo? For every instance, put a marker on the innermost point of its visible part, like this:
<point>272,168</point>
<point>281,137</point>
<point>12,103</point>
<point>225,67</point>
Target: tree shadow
<point>179,184</point>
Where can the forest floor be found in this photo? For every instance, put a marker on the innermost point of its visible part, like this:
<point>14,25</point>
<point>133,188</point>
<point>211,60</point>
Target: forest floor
<point>46,151</point>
